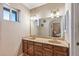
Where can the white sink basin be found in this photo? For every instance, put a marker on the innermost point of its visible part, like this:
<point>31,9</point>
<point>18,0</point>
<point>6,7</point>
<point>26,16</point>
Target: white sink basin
<point>54,41</point>
<point>31,38</point>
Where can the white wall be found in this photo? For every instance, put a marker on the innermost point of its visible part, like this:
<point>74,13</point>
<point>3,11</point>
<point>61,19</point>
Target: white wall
<point>68,22</point>
<point>12,32</point>
<point>76,7</point>
<point>0,23</point>
<point>70,32</point>
<point>75,29</point>
<point>45,10</point>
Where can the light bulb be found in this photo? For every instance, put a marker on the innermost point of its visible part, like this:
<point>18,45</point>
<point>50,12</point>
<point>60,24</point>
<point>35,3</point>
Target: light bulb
<point>57,14</point>
<point>52,15</point>
<point>31,18</point>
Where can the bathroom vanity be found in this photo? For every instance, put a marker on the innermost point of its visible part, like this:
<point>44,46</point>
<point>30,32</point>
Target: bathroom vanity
<point>45,47</point>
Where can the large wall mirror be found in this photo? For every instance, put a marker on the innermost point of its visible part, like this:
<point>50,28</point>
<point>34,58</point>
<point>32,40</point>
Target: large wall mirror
<point>47,27</point>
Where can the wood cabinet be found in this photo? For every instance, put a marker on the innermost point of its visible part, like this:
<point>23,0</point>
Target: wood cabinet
<point>38,49</point>
<point>61,51</point>
<point>42,49</point>
<point>47,50</point>
<point>27,47</point>
<point>24,45</point>
<point>30,48</point>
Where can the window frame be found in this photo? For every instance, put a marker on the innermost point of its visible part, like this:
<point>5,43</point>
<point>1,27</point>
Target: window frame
<point>11,9</point>
<point>6,9</point>
<point>17,16</point>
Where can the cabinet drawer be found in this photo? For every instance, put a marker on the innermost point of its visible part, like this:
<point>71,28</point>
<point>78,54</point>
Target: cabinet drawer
<point>47,49</point>
<point>47,46</point>
<point>25,51</point>
<point>24,41</point>
<point>37,44</point>
<point>38,48</point>
<point>37,53</point>
<point>30,47</point>
<point>30,51</point>
<point>62,49</point>
<point>47,53</point>
<point>58,53</point>
<point>24,45</point>
<point>30,42</point>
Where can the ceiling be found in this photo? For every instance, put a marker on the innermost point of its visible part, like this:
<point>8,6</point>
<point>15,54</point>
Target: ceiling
<point>33,5</point>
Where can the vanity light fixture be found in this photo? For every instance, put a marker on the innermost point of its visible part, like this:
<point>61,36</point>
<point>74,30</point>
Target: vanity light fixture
<point>35,17</point>
<point>55,14</point>
<point>52,15</point>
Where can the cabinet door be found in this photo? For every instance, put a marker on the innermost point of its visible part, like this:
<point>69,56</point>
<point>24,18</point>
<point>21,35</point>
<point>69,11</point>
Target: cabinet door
<point>38,53</point>
<point>47,46</point>
<point>59,48</point>
<point>47,53</point>
<point>47,50</point>
<point>30,48</point>
<point>24,46</point>
<point>38,49</point>
<point>60,51</point>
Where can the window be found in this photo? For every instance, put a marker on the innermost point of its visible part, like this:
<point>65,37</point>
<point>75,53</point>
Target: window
<point>14,15</point>
<point>10,14</point>
<point>6,13</point>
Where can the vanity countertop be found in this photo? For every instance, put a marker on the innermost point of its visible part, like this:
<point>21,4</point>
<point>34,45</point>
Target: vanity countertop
<point>53,41</point>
